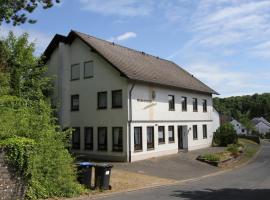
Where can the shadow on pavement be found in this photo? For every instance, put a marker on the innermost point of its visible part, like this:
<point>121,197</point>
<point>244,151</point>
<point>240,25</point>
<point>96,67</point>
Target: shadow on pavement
<point>223,194</point>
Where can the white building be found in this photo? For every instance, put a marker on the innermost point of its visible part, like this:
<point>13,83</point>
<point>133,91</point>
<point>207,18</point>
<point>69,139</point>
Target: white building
<point>239,128</point>
<point>261,125</point>
<point>124,104</point>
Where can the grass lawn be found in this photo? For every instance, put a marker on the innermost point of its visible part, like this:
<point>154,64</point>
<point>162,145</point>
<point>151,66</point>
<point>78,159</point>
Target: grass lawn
<point>250,149</point>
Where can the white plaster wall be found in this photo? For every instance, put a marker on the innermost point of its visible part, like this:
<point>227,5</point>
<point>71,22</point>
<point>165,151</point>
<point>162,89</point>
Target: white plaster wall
<point>216,120</point>
<point>106,78</point>
<point>158,109</point>
<point>156,113</point>
<point>262,128</point>
<point>169,147</point>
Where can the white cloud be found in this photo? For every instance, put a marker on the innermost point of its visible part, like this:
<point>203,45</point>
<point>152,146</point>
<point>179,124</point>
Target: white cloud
<point>40,39</point>
<point>128,8</point>
<point>123,37</point>
<point>227,81</point>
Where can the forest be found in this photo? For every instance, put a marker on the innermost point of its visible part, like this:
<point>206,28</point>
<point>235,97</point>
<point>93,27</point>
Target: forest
<point>257,105</point>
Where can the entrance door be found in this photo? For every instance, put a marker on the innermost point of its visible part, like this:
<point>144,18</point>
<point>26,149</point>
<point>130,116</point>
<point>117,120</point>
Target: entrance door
<point>180,137</point>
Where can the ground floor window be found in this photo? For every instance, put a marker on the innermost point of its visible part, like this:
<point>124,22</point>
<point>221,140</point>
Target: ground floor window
<point>117,138</point>
<point>161,134</point>
<point>204,131</point>
<point>76,138</point>
<point>150,138</point>
<point>171,133</point>
<point>137,138</point>
<point>102,138</point>
<point>88,138</point>
<point>195,132</point>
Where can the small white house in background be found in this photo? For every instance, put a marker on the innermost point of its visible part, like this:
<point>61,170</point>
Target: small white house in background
<point>126,105</point>
<point>239,128</point>
<point>261,125</point>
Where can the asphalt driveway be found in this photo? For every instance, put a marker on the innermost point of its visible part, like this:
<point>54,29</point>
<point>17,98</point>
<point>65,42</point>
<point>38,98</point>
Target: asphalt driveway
<point>250,182</point>
<point>179,166</point>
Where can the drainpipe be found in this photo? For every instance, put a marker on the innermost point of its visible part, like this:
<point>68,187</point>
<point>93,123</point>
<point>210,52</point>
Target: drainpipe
<point>129,122</point>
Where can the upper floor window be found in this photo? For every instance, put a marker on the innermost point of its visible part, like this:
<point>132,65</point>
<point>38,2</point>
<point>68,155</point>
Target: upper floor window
<point>171,102</point>
<point>76,138</point>
<point>75,72</point>
<point>102,138</point>
<point>117,139</point>
<point>204,105</point>
<point>204,131</point>
<point>117,99</point>
<point>150,137</point>
<point>102,100</point>
<point>75,102</point>
<point>89,69</point>
<point>195,132</point>
<point>161,135</point>
<point>137,138</point>
<point>171,133</point>
<point>88,138</point>
<point>184,103</point>
<point>195,104</point>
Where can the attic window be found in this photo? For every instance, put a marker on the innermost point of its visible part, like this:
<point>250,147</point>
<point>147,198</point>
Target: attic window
<point>75,72</point>
<point>88,69</point>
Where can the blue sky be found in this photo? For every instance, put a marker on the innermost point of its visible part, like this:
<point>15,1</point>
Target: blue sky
<point>224,43</point>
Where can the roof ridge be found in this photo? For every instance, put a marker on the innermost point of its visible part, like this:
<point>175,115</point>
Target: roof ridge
<point>131,49</point>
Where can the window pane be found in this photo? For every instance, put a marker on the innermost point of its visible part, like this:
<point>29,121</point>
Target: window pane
<point>195,104</point>
<point>76,138</point>
<point>161,134</point>
<point>204,131</point>
<point>117,139</point>
<point>137,138</point>
<point>75,102</point>
<point>117,99</point>
<point>195,133</point>
<point>184,103</point>
<point>88,138</point>
<point>204,105</point>
<point>102,100</point>
<point>75,72</point>
<point>102,138</point>
<point>171,102</point>
<point>88,69</point>
<point>171,133</point>
<point>150,137</point>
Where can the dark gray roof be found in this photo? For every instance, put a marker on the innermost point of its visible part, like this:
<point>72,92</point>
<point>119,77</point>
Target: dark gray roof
<point>140,66</point>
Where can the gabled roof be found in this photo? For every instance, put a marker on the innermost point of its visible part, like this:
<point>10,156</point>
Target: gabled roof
<point>136,65</point>
<point>257,120</point>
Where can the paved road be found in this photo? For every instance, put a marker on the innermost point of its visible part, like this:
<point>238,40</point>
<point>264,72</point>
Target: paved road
<point>246,183</point>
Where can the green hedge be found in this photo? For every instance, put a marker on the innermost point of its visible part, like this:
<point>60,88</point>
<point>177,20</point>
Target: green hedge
<point>251,137</point>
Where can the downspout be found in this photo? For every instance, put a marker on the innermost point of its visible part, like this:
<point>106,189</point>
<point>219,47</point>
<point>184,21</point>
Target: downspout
<point>129,122</point>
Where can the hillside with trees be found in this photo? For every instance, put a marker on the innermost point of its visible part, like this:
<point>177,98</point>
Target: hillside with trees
<point>257,105</point>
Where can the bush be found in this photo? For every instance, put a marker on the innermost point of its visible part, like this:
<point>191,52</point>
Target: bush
<point>35,147</point>
<point>267,135</point>
<point>211,157</point>
<point>225,135</point>
<point>233,149</point>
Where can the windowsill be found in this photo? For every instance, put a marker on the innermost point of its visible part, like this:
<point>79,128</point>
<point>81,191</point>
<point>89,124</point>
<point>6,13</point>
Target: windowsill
<point>103,150</point>
<point>74,110</point>
<point>117,151</point>
<point>195,110</point>
<point>74,79</point>
<point>138,151</point>
<point>195,138</point>
<point>88,149</point>
<point>205,111</point>
<point>160,143</point>
<point>171,141</point>
<point>88,77</point>
<point>102,108</point>
<point>184,110</point>
<point>117,107</point>
<point>150,149</point>
<point>171,109</point>
<point>205,138</point>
